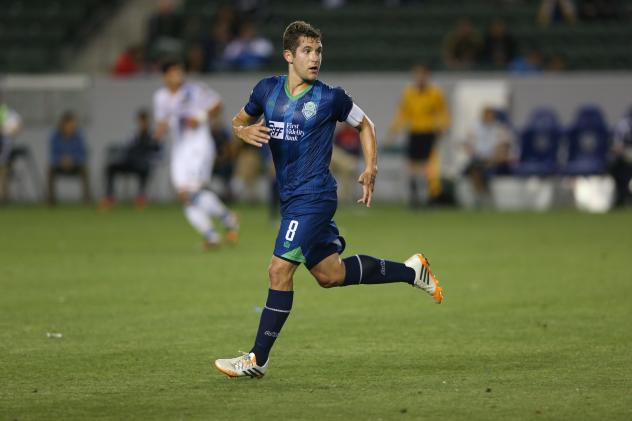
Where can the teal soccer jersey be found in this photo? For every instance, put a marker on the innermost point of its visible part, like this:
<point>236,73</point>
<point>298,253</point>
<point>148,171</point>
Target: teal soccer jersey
<point>301,132</point>
<point>301,136</point>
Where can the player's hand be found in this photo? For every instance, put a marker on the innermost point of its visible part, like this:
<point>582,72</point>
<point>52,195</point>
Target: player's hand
<point>256,134</point>
<point>367,179</point>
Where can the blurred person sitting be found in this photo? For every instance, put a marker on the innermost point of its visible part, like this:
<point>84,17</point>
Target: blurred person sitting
<point>344,160</point>
<point>10,126</point>
<point>248,51</point>
<point>424,113</point>
<point>489,149</point>
<point>621,165</point>
<point>499,47</point>
<point>135,158</point>
<point>462,46</point>
<point>556,11</point>
<point>68,156</point>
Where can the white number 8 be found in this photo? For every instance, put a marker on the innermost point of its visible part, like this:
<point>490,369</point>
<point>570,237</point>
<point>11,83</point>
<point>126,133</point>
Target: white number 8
<point>291,230</point>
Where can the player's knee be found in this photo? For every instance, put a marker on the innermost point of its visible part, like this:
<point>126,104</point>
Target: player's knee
<point>279,278</point>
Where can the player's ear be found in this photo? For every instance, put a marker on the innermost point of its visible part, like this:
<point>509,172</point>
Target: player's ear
<point>288,56</point>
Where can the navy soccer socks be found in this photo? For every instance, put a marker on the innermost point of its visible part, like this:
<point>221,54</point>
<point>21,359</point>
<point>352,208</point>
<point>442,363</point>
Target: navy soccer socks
<point>273,317</point>
<point>362,269</point>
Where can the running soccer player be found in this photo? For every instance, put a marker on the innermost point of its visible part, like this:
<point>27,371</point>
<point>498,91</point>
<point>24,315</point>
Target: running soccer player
<point>299,118</point>
<point>183,109</point>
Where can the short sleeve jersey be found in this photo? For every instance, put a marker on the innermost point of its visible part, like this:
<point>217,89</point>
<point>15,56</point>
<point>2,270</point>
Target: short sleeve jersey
<point>191,100</point>
<point>301,132</point>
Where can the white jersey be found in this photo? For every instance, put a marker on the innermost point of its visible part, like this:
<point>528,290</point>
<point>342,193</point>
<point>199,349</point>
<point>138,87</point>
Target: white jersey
<point>192,100</point>
<point>192,149</point>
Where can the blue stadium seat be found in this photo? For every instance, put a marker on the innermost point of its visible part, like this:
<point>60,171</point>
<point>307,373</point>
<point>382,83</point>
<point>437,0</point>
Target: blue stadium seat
<point>539,144</point>
<point>588,143</point>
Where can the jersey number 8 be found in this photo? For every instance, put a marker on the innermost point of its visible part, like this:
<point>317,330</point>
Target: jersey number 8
<point>291,230</point>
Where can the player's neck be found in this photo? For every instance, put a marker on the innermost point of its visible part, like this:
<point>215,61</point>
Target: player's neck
<point>295,85</point>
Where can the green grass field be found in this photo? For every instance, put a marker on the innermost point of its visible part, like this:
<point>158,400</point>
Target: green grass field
<point>536,323</point>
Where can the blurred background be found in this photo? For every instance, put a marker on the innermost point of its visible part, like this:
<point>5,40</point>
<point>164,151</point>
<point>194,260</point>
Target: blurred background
<point>531,105</point>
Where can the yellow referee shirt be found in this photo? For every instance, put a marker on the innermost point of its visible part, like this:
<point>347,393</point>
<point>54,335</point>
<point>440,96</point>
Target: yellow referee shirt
<point>422,111</point>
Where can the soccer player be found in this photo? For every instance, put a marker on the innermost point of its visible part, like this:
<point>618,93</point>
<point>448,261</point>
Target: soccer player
<point>299,118</point>
<point>184,109</point>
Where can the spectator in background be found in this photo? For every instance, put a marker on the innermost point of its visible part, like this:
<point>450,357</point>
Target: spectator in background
<point>164,31</point>
<point>528,64</point>
<point>10,125</point>
<point>68,156</point>
<point>130,62</point>
<point>499,47</point>
<point>423,111</point>
<point>462,46</point>
<point>556,63</point>
<point>344,160</point>
<point>489,149</point>
<point>621,167</point>
<point>215,44</point>
<point>196,60</point>
<point>248,51</point>
<point>556,11</point>
<point>135,159</point>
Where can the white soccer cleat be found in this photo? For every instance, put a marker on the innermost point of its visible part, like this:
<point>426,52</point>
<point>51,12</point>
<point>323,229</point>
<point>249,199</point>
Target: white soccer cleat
<point>424,278</point>
<point>246,365</point>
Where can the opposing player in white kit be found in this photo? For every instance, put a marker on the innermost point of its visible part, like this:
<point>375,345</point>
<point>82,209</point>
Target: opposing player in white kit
<point>183,110</point>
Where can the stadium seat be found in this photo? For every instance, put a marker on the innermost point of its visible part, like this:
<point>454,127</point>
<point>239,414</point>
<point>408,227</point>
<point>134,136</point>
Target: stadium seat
<point>588,143</point>
<point>539,144</point>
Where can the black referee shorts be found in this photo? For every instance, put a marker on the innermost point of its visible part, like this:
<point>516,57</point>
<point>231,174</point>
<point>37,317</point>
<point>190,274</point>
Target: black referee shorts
<point>420,146</point>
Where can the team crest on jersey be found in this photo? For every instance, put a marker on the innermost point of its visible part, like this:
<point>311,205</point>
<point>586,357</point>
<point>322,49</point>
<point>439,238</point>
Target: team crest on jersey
<point>309,110</point>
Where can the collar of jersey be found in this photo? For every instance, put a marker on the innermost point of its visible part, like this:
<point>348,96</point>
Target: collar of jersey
<point>295,97</point>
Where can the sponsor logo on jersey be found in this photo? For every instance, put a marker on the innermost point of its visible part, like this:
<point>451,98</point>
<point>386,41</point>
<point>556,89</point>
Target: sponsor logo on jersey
<point>309,110</point>
<point>277,129</point>
<point>282,131</point>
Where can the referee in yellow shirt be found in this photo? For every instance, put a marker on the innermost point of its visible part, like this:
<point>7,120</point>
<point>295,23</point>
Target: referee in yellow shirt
<point>423,111</point>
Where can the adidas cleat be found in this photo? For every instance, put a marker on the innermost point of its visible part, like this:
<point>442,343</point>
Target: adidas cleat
<point>246,365</point>
<point>424,278</point>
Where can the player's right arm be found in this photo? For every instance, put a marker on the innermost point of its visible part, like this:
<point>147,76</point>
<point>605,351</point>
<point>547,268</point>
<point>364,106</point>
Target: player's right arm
<point>246,128</point>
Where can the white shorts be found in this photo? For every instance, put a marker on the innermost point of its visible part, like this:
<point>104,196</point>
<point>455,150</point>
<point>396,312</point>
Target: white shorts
<point>192,160</point>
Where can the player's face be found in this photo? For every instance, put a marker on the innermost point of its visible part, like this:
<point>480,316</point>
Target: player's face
<point>174,77</point>
<point>306,61</point>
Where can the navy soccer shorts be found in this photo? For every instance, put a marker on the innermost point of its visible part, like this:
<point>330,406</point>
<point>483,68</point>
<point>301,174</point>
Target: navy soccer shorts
<point>308,233</point>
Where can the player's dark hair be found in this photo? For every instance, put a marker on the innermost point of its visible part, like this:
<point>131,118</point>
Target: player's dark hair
<point>296,30</point>
<point>169,64</point>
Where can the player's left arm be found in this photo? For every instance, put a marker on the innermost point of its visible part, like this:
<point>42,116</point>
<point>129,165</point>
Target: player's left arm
<point>358,119</point>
